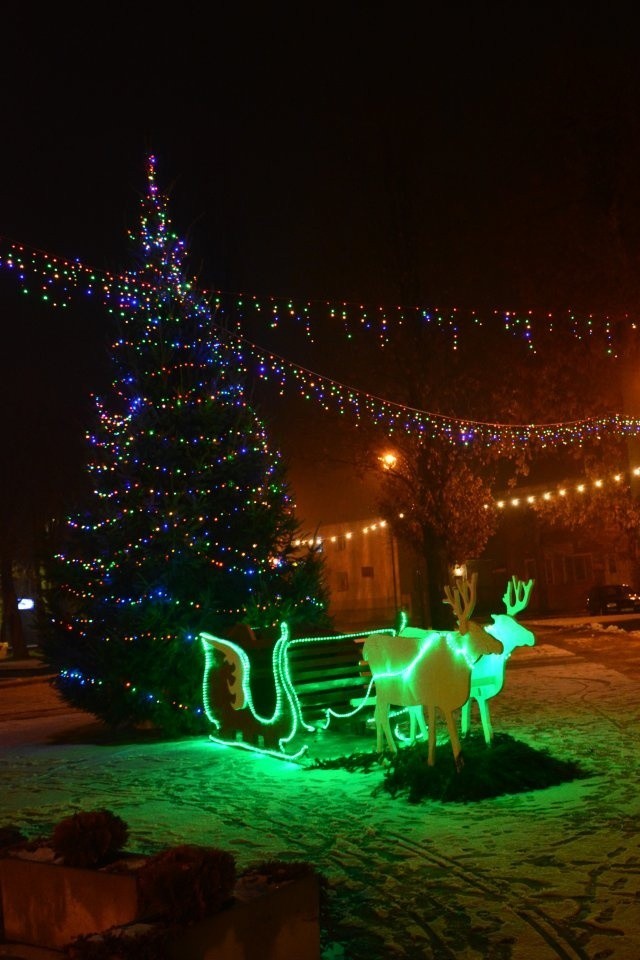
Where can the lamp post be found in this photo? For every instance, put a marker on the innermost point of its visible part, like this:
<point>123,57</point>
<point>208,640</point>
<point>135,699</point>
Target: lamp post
<point>404,479</point>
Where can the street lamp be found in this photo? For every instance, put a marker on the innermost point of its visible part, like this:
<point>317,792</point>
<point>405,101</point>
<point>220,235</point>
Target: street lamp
<point>388,460</point>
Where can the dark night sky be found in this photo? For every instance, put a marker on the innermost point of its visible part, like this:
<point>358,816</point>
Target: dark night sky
<point>471,154</point>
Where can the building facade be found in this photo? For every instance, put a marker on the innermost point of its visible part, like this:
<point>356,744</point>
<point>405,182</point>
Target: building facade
<point>372,577</point>
<point>363,571</point>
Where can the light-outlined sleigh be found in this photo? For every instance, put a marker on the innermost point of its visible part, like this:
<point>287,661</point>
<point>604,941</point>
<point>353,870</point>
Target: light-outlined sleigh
<point>275,699</point>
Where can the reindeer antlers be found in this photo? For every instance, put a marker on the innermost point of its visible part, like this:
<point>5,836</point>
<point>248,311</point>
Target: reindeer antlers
<point>517,595</point>
<point>462,600</point>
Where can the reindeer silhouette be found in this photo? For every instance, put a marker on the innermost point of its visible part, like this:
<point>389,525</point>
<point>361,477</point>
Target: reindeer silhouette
<point>430,671</point>
<point>487,674</point>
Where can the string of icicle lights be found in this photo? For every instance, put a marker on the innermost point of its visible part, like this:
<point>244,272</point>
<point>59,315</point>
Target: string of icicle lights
<point>332,395</point>
<point>58,281</point>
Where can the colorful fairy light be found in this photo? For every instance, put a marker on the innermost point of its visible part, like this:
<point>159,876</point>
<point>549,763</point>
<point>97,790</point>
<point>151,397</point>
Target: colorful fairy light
<point>45,273</point>
<point>191,520</point>
<point>48,270</point>
<point>58,281</point>
<point>393,417</point>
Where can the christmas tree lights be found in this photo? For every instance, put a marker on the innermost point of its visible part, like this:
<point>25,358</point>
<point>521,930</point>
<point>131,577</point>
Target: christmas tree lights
<point>191,522</point>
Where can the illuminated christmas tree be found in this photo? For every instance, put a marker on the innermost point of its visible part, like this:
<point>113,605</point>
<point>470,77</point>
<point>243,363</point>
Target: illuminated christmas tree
<point>190,524</point>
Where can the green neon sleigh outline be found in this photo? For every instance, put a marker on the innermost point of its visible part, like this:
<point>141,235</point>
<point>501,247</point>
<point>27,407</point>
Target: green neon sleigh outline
<point>286,696</point>
<point>240,688</point>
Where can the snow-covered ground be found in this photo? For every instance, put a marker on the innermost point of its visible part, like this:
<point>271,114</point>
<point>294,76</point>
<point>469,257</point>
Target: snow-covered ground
<point>534,876</point>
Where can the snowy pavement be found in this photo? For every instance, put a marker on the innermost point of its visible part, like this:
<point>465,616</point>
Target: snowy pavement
<point>545,875</point>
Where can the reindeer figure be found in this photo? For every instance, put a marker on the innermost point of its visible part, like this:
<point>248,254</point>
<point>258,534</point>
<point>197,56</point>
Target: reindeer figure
<point>433,670</point>
<point>487,674</point>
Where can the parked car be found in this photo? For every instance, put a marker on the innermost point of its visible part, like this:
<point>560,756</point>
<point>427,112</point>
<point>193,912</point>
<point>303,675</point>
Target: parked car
<point>613,598</point>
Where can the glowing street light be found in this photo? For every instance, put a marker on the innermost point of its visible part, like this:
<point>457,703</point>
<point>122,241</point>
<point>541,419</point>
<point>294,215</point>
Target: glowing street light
<point>388,460</point>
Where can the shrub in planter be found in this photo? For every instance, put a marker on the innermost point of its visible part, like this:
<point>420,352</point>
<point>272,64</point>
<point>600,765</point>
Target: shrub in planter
<point>262,920</point>
<point>186,883</point>
<point>11,836</point>
<point>89,839</point>
<point>176,905</point>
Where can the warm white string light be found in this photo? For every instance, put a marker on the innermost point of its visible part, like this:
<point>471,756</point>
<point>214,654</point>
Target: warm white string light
<point>526,500</point>
<point>564,491</point>
<point>334,537</point>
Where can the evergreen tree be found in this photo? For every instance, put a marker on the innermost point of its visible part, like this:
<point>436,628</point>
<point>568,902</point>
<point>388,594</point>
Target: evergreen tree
<point>190,524</point>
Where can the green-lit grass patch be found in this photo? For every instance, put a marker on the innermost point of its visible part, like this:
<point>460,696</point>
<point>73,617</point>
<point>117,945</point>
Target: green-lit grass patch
<point>508,766</point>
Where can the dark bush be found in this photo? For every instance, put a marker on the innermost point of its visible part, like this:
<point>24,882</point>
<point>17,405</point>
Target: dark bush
<point>89,839</point>
<point>10,836</point>
<point>186,883</point>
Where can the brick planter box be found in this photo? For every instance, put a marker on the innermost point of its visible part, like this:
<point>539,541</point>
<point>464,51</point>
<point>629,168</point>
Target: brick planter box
<point>49,905</point>
<point>280,924</point>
